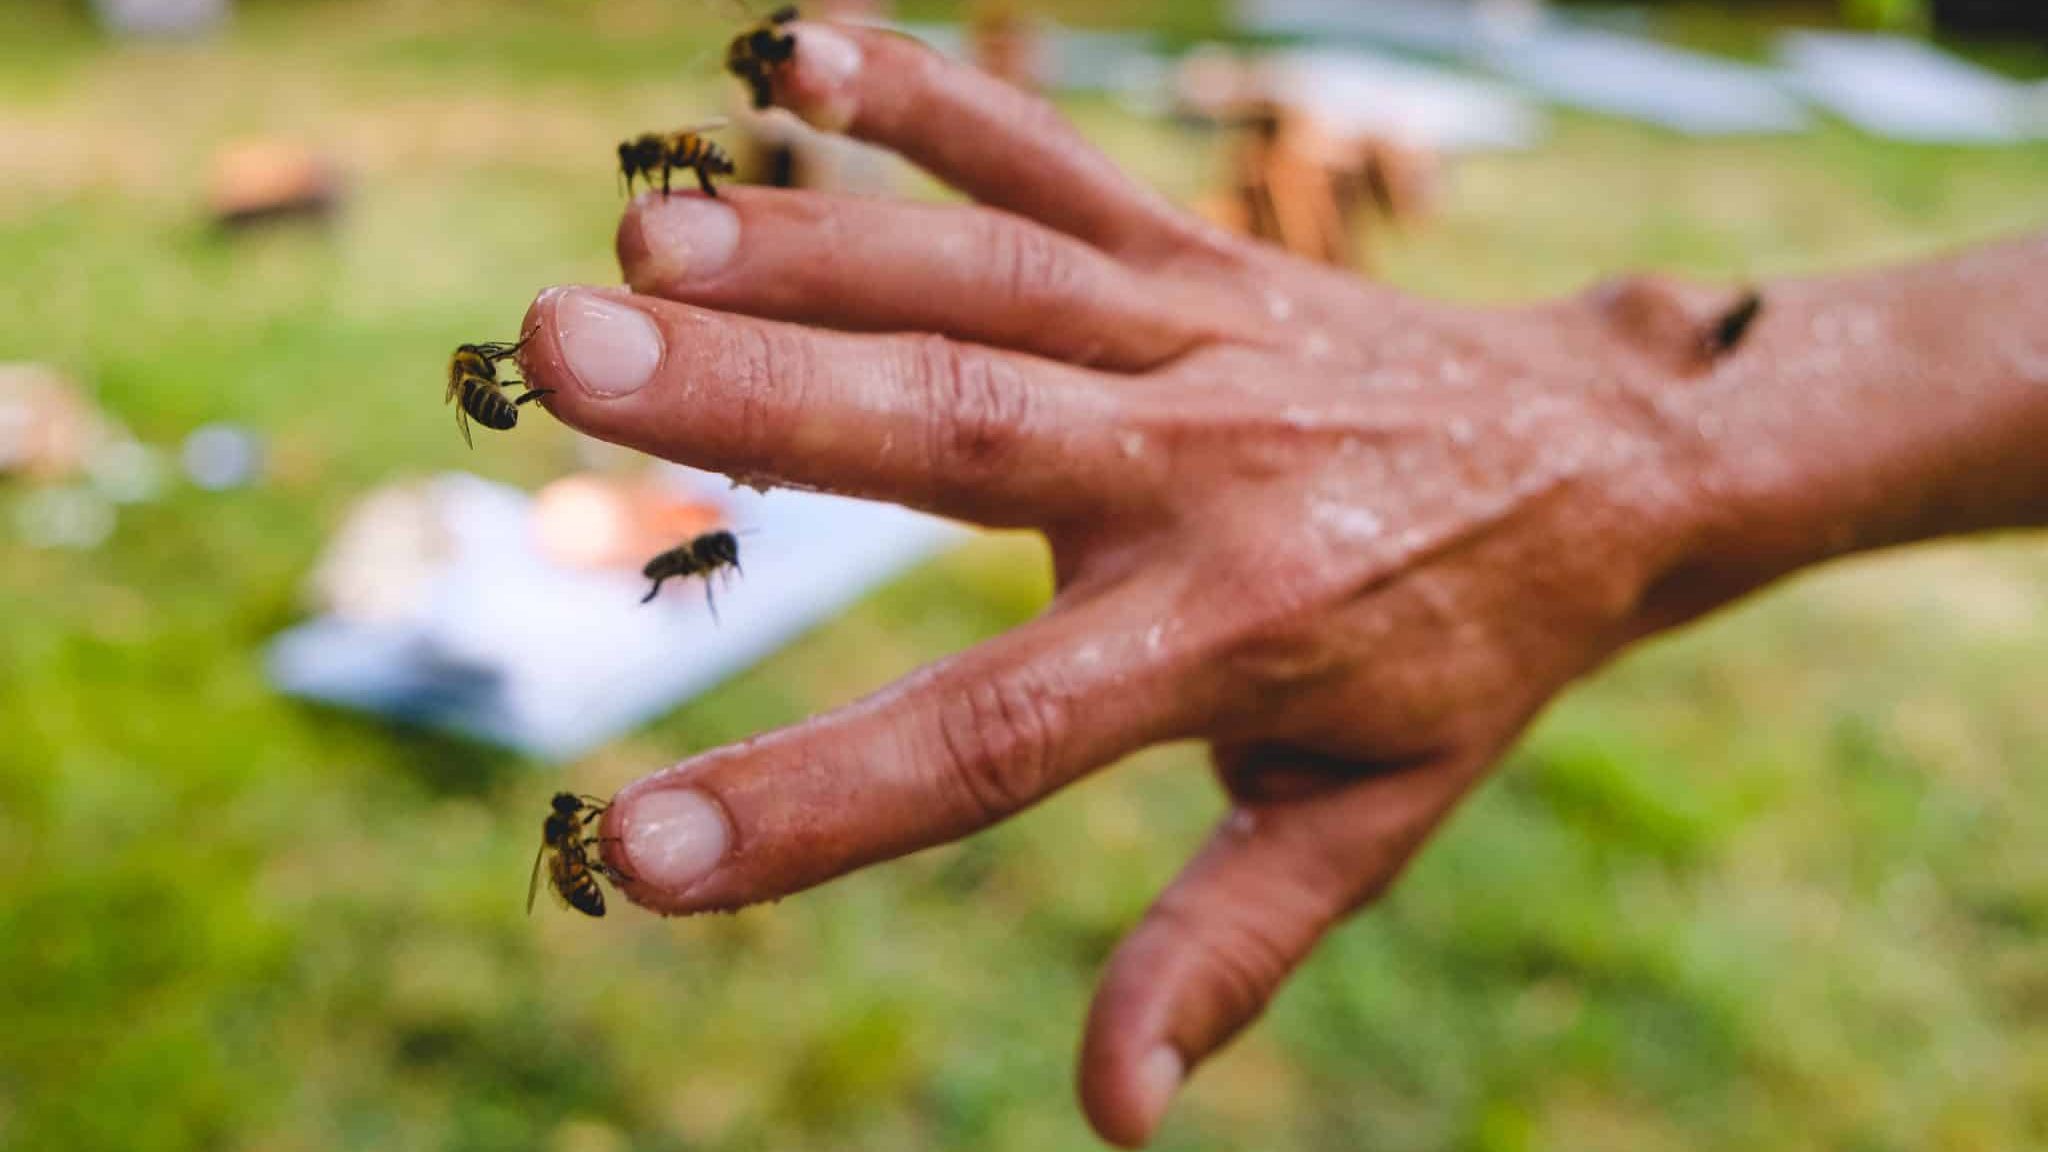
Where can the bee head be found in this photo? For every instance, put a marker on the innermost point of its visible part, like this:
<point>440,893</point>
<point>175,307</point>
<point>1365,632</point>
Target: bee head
<point>567,804</point>
<point>720,547</point>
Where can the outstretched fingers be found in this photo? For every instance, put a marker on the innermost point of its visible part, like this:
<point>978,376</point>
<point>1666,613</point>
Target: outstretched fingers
<point>986,435</point>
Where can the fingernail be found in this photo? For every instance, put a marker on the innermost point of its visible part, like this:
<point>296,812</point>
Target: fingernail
<point>685,238</point>
<point>674,838</point>
<point>1159,1077</point>
<point>827,61</point>
<point>611,349</point>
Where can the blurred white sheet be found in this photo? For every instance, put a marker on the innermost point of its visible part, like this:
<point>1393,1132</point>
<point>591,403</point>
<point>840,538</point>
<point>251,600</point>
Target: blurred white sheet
<point>513,649</point>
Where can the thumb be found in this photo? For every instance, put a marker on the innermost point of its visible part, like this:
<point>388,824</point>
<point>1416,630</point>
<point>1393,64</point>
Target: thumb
<point>1220,941</point>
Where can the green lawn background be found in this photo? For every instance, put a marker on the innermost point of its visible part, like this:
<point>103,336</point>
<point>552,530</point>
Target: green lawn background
<point>1778,882</point>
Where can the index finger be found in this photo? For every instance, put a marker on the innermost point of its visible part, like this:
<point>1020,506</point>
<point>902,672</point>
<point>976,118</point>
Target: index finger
<point>1003,146</point>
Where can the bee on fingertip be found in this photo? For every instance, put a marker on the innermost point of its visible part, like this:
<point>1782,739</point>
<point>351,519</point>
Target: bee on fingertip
<point>571,850</point>
<point>478,394</point>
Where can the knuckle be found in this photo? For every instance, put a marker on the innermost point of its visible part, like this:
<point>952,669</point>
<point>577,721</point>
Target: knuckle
<point>1281,641</point>
<point>1030,266</point>
<point>979,407</point>
<point>1002,738</point>
<point>764,377</point>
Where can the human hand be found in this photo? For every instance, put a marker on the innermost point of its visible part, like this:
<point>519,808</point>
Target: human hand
<point>1353,540</point>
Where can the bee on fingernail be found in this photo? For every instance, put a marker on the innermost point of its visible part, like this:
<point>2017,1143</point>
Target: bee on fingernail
<point>688,149</point>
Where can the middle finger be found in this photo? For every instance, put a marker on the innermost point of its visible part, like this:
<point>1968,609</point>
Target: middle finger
<point>872,265</point>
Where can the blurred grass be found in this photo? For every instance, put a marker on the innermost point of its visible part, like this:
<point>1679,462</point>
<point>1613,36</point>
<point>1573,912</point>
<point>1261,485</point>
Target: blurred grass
<point>1774,883</point>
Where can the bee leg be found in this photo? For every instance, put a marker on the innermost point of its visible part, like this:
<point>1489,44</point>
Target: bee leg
<point>665,170</point>
<point>704,182</point>
<point>710,600</point>
<point>531,393</point>
<point>653,592</point>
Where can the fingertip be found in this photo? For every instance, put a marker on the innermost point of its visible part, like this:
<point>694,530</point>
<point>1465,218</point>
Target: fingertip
<point>1129,1071</point>
<point>820,85</point>
<point>666,244</point>
<point>1127,1098</point>
<point>589,343</point>
<point>664,841</point>
<point>540,353</point>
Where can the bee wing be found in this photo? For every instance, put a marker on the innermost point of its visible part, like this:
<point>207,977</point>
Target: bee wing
<point>533,882</point>
<point>462,423</point>
<point>715,124</point>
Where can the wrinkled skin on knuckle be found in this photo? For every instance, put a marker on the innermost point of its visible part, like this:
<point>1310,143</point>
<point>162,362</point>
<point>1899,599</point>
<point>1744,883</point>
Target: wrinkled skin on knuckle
<point>1268,640</point>
<point>758,366</point>
<point>978,404</point>
<point>1002,736</point>
<point>1028,265</point>
<point>1043,279</point>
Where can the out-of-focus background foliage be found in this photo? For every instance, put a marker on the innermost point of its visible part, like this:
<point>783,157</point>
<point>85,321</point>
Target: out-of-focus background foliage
<point>1777,882</point>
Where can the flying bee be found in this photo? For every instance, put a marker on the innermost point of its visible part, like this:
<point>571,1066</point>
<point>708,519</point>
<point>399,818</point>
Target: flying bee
<point>686,148</point>
<point>705,556</point>
<point>757,52</point>
<point>572,856</point>
<point>474,386</point>
<point>1729,330</point>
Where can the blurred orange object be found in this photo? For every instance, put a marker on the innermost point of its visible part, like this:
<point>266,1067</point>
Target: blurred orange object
<point>591,521</point>
<point>257,180</point>
<point>1315,191</point>
<point>1008,44</point>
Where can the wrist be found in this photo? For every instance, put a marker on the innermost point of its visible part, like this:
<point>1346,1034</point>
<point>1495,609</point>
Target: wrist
<point>1858,414</point>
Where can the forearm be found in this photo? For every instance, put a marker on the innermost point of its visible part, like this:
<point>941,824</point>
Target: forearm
<point>1865,411</point>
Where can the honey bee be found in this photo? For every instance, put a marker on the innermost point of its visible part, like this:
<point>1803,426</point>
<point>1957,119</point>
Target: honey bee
<point>474,386</point>
<point>686,148</point>
<point>756,53</point>
<point>704,556</point>
<point>1728,331</point>
<point>572,857</point>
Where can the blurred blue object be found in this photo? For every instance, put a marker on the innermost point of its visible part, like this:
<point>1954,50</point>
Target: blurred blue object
<point>1637,79</point>
<point>160,17</point>
<point>218,457</point>
<point>1608,71</point>
<point>1905,89</point>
